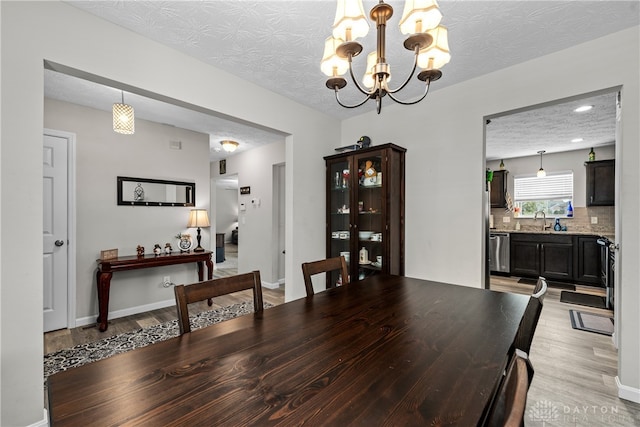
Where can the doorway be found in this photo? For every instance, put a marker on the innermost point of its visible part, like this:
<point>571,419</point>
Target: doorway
<point>58,232</point>
<point>569,138</point>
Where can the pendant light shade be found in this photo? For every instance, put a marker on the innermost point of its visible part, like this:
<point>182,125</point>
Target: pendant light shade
<point>541,172</point>
<point>123,118</point>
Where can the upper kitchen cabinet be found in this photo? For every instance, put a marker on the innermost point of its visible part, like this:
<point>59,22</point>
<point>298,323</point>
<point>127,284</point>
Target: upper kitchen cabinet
<point>600,183</point>
<point>365,211</point>
<point>498,191</point>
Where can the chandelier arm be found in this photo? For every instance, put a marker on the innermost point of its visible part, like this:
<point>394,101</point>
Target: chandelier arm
<point>413,70</point>
<point>355,81</point>
<point>350,106</point>
<point>415,101</point>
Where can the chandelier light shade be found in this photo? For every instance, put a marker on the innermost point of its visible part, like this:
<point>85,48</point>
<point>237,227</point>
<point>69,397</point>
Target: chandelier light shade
<point>350,22</point>
<point>419,16</point>
<point>541,172</point>
<point>198,218</point>
<point>229,146</point>
<point>427,40</point>
<point>123,118</point>
<point>332,64</point>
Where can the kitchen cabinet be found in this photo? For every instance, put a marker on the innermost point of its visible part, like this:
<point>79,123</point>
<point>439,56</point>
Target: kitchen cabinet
<point>498,189</point>
<point>365,210</point>
<point>545,255</point>
<point>587,260</point>
<point>564,257</point>
<point>600,183</point>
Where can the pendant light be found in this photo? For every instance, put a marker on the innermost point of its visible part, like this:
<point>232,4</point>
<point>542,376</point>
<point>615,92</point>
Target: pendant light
<point>541,172</point>
<point>123,118</point>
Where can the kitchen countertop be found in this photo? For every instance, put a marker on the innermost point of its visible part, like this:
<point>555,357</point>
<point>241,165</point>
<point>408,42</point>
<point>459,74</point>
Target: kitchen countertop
<point>609,234</point>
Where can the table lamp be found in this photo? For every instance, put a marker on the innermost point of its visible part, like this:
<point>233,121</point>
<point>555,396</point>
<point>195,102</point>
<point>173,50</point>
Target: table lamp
<point>198,218</point>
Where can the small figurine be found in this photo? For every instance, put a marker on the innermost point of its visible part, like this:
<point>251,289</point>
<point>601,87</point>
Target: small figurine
<point>157,249</point>
<point>140,250</point>
<point>167,248</point>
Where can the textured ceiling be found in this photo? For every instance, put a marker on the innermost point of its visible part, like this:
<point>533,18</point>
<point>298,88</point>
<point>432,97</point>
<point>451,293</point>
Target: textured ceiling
<point>278,44</point>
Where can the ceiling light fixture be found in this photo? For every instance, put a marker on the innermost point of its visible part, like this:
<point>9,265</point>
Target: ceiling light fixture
<point>583,108</point>
<point>229,146</point>
<point>123,118</point>
<point>577,140</point>
<point>541,172</point>
<point>427,39</point>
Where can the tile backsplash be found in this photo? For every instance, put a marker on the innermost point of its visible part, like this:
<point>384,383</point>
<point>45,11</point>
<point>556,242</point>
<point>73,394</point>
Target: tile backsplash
<point>581,221</point>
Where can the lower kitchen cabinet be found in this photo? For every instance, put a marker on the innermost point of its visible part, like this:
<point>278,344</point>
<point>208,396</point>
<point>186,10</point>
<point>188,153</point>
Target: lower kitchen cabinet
<point>587,260</point>
<point>573,258</point>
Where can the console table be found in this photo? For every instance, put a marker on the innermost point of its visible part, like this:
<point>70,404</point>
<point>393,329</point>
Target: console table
<point>106,268</point>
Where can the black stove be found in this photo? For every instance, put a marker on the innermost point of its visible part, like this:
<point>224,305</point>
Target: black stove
<point>608,264</point>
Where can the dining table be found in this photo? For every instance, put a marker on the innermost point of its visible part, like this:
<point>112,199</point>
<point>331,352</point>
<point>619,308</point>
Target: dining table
<point>383,351</point>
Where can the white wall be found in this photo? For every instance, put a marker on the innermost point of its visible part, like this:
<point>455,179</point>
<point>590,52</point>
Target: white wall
<point>445,166</point>
<point>226,209</point>
<point>102,155</point>
<point>556,162</point>
<point>32,32</point>
<point>255,225</point>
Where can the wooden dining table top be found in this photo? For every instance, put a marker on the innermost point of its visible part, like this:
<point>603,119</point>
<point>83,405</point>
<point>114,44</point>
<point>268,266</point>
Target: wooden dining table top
<point>387,350</point>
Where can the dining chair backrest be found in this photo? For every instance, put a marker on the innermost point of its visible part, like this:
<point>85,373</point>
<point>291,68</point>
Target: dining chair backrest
<point>208,289</point>
<point>529,323</point>
<point>324,266</point>
<point>509,404</point>
<point>540,290</point>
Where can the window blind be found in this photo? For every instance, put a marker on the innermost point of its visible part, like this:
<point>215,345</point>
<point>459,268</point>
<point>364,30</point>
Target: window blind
<point>554,186</point>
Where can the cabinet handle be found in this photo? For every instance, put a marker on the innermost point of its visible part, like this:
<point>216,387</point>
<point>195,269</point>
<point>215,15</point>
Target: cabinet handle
<point>591,199</point>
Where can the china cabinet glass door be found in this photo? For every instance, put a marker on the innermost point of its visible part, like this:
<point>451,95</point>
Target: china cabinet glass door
<point>339,223</point>
<point>369,225</point>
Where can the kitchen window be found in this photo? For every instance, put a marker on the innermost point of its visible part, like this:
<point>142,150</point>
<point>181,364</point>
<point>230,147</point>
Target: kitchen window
<point>551,194</point>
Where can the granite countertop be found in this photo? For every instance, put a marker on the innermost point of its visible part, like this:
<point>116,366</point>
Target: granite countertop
<point>608,234</point>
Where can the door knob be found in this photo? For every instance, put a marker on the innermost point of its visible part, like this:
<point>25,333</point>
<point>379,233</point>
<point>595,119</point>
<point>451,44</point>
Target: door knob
<point>59,242</point>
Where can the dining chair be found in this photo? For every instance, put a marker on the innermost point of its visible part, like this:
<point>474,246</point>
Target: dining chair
<point>324,266</point>
<point>509,404</point>
<point>527,328</point>
<point>214,288</point>
<point>540,290</point>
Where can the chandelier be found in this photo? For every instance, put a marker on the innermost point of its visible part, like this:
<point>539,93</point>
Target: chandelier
<point>427,39</point>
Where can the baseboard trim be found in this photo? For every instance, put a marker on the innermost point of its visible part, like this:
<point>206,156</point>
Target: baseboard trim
<point>43,422</point>
<point>268,285</point>
<point>626,392</point>
<point>84,321</point>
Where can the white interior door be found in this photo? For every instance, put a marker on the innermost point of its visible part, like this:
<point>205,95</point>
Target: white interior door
<point>55,233</point>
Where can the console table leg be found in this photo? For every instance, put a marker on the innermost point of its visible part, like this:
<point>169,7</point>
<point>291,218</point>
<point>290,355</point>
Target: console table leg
<point>104,284</point>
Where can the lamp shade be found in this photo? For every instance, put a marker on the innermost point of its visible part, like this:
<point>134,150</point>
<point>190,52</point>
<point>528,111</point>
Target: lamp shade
<point>332,65</point>
<point>437,54</point>
<point>350,22</point>
<point>198,218</point>
<point>368,80</point>
<point>419,16</point>
<point>123,119</point>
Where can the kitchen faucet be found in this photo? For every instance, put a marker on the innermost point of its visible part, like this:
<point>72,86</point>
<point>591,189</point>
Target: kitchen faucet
<point>544,219</point>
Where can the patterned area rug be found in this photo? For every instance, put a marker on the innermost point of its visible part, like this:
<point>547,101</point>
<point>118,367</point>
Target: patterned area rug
<point>82,354</point>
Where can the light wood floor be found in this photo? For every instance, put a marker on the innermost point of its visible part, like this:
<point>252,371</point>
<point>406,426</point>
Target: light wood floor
<point>574,381</point>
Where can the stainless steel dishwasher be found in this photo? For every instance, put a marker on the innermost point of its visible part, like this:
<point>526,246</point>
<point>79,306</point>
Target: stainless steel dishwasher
<point>499,252</point>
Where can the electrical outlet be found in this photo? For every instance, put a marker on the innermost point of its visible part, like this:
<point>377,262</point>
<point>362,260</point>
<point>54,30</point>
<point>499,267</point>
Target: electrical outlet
<point>166,281</point>
<point>506,219</point>
<point>594,220</point>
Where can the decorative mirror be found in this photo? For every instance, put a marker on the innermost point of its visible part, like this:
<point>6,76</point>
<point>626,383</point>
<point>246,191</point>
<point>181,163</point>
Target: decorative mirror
<point>155,192</point>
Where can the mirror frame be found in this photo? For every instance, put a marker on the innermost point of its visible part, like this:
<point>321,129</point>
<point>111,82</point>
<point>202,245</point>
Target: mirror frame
<point>191,187</point>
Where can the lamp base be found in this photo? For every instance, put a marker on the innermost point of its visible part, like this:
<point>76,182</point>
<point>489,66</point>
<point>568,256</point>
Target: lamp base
<point>199,249</point>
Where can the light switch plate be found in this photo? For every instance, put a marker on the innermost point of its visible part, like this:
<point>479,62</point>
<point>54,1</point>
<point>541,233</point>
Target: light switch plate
<point>594,220</point>
<point>506,219</point>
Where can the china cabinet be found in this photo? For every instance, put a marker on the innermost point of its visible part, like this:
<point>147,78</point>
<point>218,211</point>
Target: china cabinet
<point>365,211</point>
